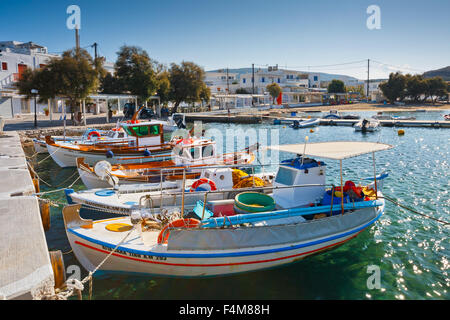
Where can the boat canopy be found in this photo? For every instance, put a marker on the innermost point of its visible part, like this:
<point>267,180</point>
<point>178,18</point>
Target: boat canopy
<point>336,150</point>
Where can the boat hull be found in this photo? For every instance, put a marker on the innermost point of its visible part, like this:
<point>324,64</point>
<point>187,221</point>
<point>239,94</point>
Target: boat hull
<point>203,263</point>
<point>65,157</point>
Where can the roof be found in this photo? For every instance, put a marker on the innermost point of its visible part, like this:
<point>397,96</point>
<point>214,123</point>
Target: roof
<point>336,150</point>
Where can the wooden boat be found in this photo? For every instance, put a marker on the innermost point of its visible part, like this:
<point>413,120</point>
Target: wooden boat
<point>208,243</point>
<point>125,198</point>
<point>89,137</point>
<point>305,124</point>
<point>148,143</point>
<point>367,125</point>
<point>192,153</point>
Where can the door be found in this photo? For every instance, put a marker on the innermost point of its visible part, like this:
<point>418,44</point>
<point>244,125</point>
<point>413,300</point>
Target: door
<point>21,68</point>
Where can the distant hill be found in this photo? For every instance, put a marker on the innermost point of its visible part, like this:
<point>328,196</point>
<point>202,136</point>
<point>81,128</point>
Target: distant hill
<point>443,72</point>
<point>323,76</point>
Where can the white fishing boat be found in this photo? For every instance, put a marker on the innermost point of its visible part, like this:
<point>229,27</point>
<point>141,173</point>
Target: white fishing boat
<point>126,198</point>
<point>367,125</point>
<point>147,145</point>
<point>192,153</point>
<point>297,219</point>
<point>90,136</point>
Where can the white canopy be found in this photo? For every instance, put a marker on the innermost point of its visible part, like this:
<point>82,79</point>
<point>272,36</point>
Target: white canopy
<point>336,150</point>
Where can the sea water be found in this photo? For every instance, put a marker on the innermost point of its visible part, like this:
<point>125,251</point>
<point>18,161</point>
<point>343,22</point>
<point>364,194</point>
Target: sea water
<point>410,251</point>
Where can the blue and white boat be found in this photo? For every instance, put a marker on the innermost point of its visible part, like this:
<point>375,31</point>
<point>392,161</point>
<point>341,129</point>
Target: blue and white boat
<point>305,124</point>
<point>308,217</point>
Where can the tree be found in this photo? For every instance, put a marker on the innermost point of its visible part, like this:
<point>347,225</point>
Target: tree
<point>435,87</point>
<point>186,83</point>
<point>274,91</point>
<point>394,88</point>
<point>110,84</point>
<point>135,72</point>
<point>336,86</point>
<point>415,86</point>
<point>357,89</point>
<point>72,76</point>
<point>163,86</point>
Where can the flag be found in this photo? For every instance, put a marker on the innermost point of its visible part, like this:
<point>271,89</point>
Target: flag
<point>280,98</point>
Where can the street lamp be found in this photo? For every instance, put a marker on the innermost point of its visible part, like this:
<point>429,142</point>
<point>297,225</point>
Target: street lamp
<point>35,92</point>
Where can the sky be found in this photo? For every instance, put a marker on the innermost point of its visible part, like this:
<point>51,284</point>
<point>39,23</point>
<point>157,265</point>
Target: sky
<point>316,36</point>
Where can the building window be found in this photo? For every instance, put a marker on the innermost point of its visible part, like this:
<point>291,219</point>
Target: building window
<point>4,66</point>
<point>279,80</point>
<point>315,78</point>
<point>243,80</point>
<point>262,79</point>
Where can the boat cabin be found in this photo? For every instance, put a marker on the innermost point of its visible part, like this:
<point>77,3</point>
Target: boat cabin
<point>146,133</point>
<point>194,152</point>
<point>299,171</point>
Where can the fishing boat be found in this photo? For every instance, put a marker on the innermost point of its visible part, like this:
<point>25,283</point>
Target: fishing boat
<point>147,144</point>
<point>367,125</point>
<point>187,188</point>
<point>305,124</point>
<point>192,153</point>
<point>303,217</point>
<point>90,136</point>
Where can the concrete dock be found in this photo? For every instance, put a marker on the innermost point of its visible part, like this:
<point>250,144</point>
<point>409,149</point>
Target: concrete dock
<point>25,267</point>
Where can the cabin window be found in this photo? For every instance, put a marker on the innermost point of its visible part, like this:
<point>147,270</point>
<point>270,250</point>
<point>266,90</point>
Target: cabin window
<point>207,151</point>
<point>195,153</point>
<point>4,66</point>
<point>285,176</point>
<point>140,131</point>
<point>154,130</point>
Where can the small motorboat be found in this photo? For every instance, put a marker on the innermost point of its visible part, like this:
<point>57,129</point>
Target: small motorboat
<point>367,125</point>
<point>447,117</point>
<point>300,216</point>
<point>333,114</point>
<point>305,124</point>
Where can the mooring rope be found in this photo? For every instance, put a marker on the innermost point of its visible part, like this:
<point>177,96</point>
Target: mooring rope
<point>412,210</point>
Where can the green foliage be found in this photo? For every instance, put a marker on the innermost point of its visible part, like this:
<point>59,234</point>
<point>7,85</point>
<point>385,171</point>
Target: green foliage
<point>242,91</point>
<point>135,72</point>
<point>186,83</point>
<point>358,89</point>
<point>336,86</point>
<point>274,90</point>
<point>394,88</point>
<point>400,86</point>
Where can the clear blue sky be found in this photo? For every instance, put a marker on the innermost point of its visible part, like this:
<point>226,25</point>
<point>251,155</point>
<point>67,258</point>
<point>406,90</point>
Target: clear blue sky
<point>229,33</point>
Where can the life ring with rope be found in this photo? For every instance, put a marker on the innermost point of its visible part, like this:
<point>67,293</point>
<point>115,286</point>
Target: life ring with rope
<point>179,223</point>
<point>93,133</point>
<point>201,181</point>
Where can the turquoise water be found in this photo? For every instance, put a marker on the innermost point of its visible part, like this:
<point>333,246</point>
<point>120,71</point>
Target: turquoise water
<point>411,251</point>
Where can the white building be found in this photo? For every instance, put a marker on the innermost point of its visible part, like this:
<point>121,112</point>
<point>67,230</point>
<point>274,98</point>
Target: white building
<point>15,58</point>
<point>375,93</point>
<point>221,81</point>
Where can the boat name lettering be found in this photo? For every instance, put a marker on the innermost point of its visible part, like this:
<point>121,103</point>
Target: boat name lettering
<point>135,255</point>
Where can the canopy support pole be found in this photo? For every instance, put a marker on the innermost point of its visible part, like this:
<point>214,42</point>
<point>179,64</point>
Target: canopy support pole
<point>375,175</point>
<point>342,188</point>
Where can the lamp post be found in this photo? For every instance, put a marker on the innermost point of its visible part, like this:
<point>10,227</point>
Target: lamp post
<point>35,92</point>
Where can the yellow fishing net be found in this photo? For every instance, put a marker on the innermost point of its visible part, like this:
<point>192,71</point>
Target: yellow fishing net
<point>238,175</point>
<point>249,182</point>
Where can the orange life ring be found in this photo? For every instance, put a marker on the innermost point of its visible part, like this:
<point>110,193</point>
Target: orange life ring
<point>201,181</point>
<point>179,223</point>
<point>93,133</point>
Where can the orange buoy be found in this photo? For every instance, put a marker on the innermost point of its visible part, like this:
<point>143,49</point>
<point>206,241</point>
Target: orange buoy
<point>179,223</point>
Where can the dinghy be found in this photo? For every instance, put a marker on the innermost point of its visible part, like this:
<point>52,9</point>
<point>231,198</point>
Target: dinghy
<point>214,240</point>
<point>305,124</point>
<point>367,125</point>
